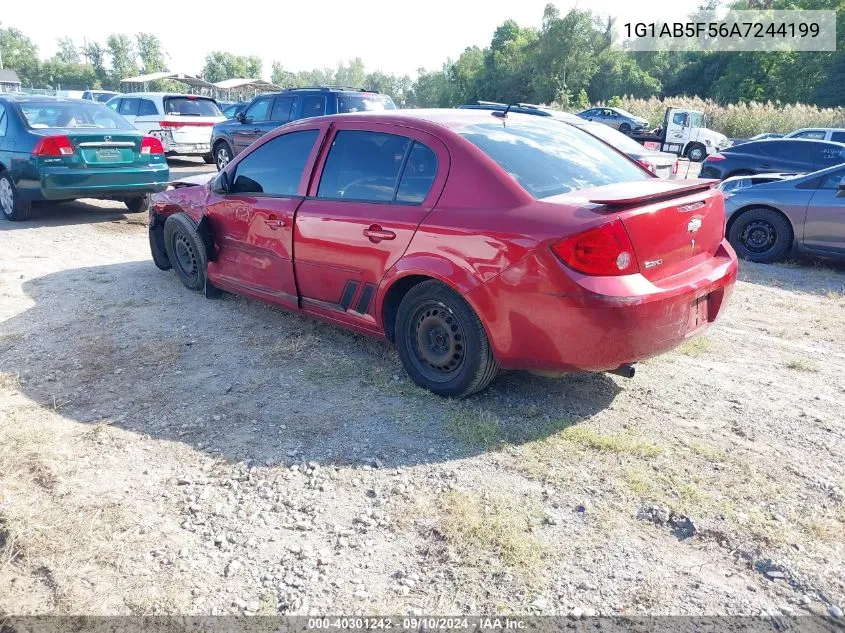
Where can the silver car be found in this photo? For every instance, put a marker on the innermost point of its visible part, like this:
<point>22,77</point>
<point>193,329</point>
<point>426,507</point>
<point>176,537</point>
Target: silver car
<point>616,118</point>
<point>766,221</point>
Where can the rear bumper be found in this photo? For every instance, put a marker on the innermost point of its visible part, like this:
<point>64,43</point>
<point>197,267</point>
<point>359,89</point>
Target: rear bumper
<point>601,323</point>
<point>68,184</point>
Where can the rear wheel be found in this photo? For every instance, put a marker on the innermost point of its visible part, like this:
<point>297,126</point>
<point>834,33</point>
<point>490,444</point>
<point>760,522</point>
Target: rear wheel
<point>761,235</point>
<point>222,154</point>
<point>696,152</point>
<point>185,250</point>
<point>11,204</point>
<point>625,128</point>
<point>442,343</point>
<point>138,204</point>
<point>209,159</point>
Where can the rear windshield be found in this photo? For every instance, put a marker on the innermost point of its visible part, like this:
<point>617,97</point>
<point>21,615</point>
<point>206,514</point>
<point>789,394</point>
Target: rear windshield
<point>613,138</point>
<point>72,114</point>
<point>190,106</point>
<point>548,158</point>
<point>364,103</point>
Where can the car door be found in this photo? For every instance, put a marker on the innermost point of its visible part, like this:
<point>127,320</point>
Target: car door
<point>376,183</point>
<point>253,125</point>
<point>824,226</point>
<point>253,221</point>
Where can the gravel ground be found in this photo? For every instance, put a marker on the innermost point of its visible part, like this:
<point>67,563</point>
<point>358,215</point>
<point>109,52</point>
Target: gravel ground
<point>166,454</point>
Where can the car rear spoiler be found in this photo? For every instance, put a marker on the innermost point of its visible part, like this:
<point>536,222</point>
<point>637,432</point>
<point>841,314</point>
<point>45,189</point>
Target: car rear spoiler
<point>646,191</point>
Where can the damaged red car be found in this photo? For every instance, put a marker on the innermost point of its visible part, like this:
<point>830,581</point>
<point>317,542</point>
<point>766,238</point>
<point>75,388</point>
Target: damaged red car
<point>472,240</point>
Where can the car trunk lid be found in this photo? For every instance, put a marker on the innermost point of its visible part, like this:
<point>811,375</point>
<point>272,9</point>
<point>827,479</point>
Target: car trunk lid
<point>97,148</point>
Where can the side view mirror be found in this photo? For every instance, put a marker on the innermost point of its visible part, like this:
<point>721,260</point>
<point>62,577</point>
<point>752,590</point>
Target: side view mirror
<point>221,183</point>
<point>240,117</point>
<point>842,185</point>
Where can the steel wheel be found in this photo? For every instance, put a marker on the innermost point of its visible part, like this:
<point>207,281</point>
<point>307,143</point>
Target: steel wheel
<point>186,258</point>
<point>437,335</point>
<point>7,197</point>
<point>758,236</point>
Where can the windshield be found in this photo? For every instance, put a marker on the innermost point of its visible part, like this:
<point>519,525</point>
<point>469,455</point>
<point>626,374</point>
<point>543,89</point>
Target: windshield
<point>48,114</point>
<point>190,106</point>
<point>548,159</point>
<point>364,102</point>
<point>610,136</point>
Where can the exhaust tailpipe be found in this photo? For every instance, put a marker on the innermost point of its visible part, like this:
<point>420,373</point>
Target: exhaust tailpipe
<point>626,371</point>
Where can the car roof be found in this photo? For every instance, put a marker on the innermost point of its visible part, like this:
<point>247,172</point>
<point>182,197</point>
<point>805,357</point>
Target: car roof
<point>822,129</point>
<point>162,94</point>
<point>524,108</point>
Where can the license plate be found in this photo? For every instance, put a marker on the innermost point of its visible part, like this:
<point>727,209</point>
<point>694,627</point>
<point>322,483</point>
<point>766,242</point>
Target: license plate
<point>108,155</point>
<point>697,315</point>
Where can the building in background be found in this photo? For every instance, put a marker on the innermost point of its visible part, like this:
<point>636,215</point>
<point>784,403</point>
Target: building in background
<point>9,81</point>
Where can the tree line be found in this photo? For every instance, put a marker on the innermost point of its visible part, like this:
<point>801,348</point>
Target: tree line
<point>570,60</point>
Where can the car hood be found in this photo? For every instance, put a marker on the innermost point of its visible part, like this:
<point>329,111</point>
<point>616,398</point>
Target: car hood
<point>197,180</point>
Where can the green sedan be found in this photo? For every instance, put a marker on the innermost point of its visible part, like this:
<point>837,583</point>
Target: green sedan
<point>65,149</point>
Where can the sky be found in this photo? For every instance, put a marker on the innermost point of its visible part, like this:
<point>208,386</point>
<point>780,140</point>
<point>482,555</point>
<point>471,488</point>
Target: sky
<point>395,36</point>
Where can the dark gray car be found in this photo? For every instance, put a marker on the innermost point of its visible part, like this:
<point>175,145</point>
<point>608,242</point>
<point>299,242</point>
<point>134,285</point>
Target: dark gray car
<point>805,212</point>
<point>617,118</point>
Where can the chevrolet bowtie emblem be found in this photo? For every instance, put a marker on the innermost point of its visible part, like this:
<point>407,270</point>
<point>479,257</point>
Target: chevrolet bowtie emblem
<point>693,225</point>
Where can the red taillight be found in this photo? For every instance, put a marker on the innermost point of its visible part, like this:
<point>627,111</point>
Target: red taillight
<point>151,145</point>
<point>604,250</point>
<point>53,146</point>
<point>675,168</point>
<point>171,124</point>
<point>647,165</point>
<point>714,158</point>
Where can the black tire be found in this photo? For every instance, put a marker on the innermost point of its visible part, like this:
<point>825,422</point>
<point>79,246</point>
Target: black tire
<point>209,159</point>
<point>11,205</point>
<point>158,249</point>
<point>696,152</point>
<point>457,360</point>
<point>222,154</point>
<point>138,204</point>
<point>625,128</point>
<point>761,235</point>
<point>185,250</point>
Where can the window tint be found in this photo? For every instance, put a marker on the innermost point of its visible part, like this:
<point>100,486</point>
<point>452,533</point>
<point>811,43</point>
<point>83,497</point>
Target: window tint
<point>147,108</point>
<point>129,107</point>
<point>282,108</point>
<point>190,106</point>
<point>258,111</point>
<point>363,166</point>
<point>812,134</point>
<point>3,120</point>
<point>838,137</point>
<point>313,105</point>
<point>114,104</point>
<point>275,168</point>
<point>418,175</point>
<point>548,158</point>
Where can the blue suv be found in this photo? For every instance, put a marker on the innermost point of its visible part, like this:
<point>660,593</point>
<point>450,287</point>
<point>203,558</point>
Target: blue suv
<point>269,111</point>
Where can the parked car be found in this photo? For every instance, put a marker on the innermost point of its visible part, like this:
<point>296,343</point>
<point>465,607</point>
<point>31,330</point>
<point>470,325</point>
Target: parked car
<point>757,137</point>
<point>100,96</point>
<point>63,149</point>
<point>807,213</point>
<point>230,110</point>
<point>836,134</point>
<point>181,122</point>
<point>683,133</point>
<point>473,240</point>
<point>779,155</point>
<point>268,111</point>
<point>616,118</point>
<point>660,164</point>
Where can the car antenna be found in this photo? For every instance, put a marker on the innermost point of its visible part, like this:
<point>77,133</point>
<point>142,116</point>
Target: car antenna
<point>504,114</point>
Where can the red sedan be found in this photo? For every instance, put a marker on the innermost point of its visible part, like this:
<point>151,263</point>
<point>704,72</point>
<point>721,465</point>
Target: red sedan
<point>473,240</point>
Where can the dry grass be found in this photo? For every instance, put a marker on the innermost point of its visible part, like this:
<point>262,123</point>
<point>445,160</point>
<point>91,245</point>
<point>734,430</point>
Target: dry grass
<point>802,364</point>
<point>696,347</point>
<point>10,381</point>
<point>498,528</point>
<point>473,427</point>
<point>589,438</point>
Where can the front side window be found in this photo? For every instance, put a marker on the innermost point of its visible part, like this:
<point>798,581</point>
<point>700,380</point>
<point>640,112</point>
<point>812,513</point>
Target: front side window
<point>679,118</point>
<point>275,168</point>
<point>129,107</point>
<point>53,114</point>
<point>114,104</point>
<point>3,120</point>
<point>547,158</point>
<point>363,166</point>
<point>258,111</point>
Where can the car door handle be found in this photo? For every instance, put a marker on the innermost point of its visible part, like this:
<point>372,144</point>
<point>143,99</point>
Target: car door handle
<point>256,131</point>
<point>275,223</point>
<point>377,234</point>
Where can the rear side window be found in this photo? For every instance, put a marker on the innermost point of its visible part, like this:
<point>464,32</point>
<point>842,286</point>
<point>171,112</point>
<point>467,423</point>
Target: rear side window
<point>811,134</point>
<point>275,168</point>
<point>838,137</point>
<point>190,106</point>
<point>282,109</point>
<point>832,180</point>
<point>364,102</point>
<point>547,158</point>
<point>418,175</point>
<point>363,166</point>
<point>147,108</point>
<point>3,120</point>
<point>313,105</point>
<point>129,107</point>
